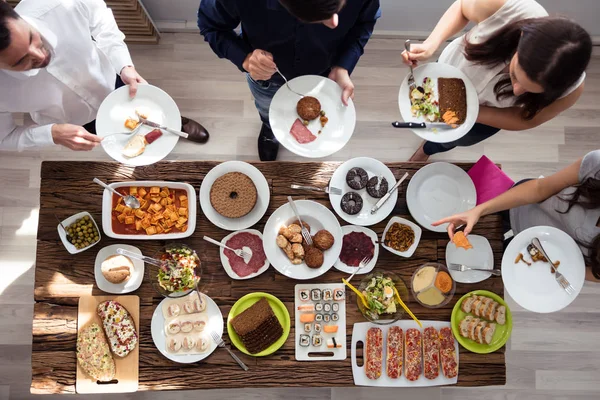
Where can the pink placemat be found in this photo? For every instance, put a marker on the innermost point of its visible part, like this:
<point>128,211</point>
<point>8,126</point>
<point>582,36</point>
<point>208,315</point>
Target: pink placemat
<point>490,181</point>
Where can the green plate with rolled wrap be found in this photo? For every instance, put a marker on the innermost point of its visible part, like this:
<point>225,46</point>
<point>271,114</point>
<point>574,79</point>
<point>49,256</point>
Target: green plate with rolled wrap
<point>249,300</point>
<point>487,312</point>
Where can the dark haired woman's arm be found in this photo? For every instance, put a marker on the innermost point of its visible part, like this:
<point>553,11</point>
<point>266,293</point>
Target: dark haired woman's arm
<point>530,192</point>
<point>511,119</point>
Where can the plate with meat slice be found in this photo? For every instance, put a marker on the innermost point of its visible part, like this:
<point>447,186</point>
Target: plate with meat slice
<point>316,125</point>
<point>358,242</point>
<point>444,94</point>
<point>249,240</point>
<point>119,113</point>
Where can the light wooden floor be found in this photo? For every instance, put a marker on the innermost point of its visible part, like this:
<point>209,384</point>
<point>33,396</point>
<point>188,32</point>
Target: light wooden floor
<point>549,356</point>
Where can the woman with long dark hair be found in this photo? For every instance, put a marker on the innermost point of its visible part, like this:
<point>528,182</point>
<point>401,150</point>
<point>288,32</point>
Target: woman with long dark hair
<point>527,67</point>
<point>568,200</point>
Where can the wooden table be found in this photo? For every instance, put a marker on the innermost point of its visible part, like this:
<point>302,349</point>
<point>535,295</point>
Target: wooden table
<point>61,278</point>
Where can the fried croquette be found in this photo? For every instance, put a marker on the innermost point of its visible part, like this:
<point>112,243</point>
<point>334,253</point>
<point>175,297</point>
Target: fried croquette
<point>323,240</point>
<point>313,257</point>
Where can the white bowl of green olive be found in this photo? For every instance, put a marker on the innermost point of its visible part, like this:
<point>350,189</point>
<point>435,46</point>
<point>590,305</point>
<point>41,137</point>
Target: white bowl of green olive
<point>81,232</point>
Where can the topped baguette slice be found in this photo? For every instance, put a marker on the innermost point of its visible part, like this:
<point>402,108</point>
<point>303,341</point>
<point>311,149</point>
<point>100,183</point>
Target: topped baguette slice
<point>93,353</point>
<point>118,326</point>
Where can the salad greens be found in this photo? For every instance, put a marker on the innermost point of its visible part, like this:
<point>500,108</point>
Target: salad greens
<point>379,294</point>
<point>177,274</point>
<point>423,103</point>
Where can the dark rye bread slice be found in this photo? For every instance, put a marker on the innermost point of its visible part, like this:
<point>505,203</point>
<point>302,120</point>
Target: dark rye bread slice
<point>253,317</point>
<point>453,96</point>
<point>263,337</point>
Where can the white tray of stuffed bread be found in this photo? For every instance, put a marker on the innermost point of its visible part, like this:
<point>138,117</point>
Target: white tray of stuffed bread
<point>108,344</point>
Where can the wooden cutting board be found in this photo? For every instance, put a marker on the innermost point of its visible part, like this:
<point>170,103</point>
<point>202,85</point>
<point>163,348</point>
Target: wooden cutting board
<point>127,368</point>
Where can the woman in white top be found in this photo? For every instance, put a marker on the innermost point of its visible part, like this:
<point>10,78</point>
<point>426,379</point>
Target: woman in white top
<point>568,200</point>
<point>527,67</point>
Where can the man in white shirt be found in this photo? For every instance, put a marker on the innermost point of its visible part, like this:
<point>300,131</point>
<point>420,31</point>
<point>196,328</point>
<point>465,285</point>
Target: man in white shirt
<point>59,59</point>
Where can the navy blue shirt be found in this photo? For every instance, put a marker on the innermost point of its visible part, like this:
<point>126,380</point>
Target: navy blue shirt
<point>298,48</point>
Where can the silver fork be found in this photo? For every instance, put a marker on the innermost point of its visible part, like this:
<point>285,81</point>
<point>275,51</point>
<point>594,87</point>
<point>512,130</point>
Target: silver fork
<point>411,77</point>
<point>305,232</point>
<point>562,281</point>
<point>362,264</point>
<point>219,341</point>
<point>463,268</point>
<point>137,128</point>
<point>287,84</point>
<point>332,190</point>
<point>238,252</point>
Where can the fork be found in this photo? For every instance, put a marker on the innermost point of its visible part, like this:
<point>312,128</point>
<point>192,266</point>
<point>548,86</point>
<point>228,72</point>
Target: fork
<point>562,281</point>
<point>137,128</point>
<point>305,232</point>
<point>219,342</point>
<point>328,189</point>
<point>411,77</point>
<point>362,264</point>
<point>463,268</point>
<point>287,84</point>
<point>238,252</point>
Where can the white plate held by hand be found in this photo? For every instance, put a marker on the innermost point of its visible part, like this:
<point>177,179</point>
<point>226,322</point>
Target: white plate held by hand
<point>336,133</point>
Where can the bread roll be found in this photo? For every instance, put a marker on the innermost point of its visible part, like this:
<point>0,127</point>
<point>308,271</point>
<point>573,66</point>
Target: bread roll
<point>117,268</point>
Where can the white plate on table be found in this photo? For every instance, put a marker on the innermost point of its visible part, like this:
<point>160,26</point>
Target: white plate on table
<point>315,215</point>
<point>364,217</point>
<point>118,106</point>
<point>480,256</point>
<point>339,128</point>
<point>131,284</point>
<point>416,229</point>
<point>107,210</point>
<point>438,70</point>
<point>535,288</point>
<point>437,191</point>
<point>227,265</point>
<point>159,337</point>
<point>262,201</point>
<point>341,266</point>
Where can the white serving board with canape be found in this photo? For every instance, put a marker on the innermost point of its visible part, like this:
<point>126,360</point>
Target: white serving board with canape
<point>359,334</point>
<point>127,368</point>
<point>107,207</point>
<point>320,352</point>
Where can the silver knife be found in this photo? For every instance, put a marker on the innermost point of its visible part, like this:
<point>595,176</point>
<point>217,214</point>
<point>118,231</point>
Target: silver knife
<point>164,128</point>
<point>423,125</point>
<point>385,198</point>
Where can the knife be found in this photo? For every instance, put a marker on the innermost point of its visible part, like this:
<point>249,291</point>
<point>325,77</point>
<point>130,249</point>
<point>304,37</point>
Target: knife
<point>164,128</point>
<point>385,198</point>
<point>422,125</point>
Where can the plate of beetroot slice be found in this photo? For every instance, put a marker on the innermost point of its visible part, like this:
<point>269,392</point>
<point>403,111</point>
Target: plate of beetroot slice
<point>357,243</point>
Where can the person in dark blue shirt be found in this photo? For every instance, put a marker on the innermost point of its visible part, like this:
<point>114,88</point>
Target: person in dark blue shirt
<point>298,37</point>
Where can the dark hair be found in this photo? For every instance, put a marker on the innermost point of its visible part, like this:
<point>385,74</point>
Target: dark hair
<point>553,52</point>
<point>587,196</point>
<point>313,10</point>
<point>6,12</point>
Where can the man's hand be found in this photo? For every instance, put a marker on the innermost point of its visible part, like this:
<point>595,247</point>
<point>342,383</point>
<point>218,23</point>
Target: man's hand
<point>260,65</point>
<point>130,77</point>
<point>341,77</point>
<point>74,137</point>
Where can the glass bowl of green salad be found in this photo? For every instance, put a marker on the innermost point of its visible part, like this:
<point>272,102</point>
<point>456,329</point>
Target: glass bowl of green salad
<point>382,306</point>
<point>179,272</point>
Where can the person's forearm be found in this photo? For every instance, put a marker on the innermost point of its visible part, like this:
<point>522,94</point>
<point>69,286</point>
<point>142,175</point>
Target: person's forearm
<point>357,38</point>
<point>452,22</point>
<point>22,138</point>
<point>509,118</point>
<point>529,192</point>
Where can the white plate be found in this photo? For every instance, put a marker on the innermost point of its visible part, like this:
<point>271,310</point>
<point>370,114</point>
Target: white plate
<point>480,256</point>
<point>434,71</point>
<point>262,202</point>
<point>118,106</point>
<point>416,229</point>
<point>215,323</point>
<point>107,210</point>
<point>534,287</point>
<point>63,235</point>
<point>336,133</point>
<point>131,284</point>
<point>227,265</point>
<point>437,191</point>
<point>341,266</point>
<point>315,215</point>
<point>364,217</point>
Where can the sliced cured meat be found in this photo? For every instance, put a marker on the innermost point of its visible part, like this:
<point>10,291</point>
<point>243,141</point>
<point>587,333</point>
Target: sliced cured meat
<point>448,358</point>
<point>431,353</point>
<point>355,247</point>
<point>374,353</point>
<point>301,132</point>
<point>412,362</point>
<point>395,345</point>
<point>255,244</point>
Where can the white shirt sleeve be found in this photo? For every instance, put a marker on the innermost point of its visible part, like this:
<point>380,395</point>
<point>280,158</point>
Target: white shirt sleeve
<point>13,137</point>
<point>109,39</point>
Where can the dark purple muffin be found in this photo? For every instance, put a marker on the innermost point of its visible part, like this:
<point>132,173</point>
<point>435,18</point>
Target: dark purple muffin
<point>351,203</point>
<point>357,178</point>
<point>377,187</point>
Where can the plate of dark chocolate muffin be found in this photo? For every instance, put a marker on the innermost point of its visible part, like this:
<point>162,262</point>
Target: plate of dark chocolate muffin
<point>234,195</point>
<point>363,181</point>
